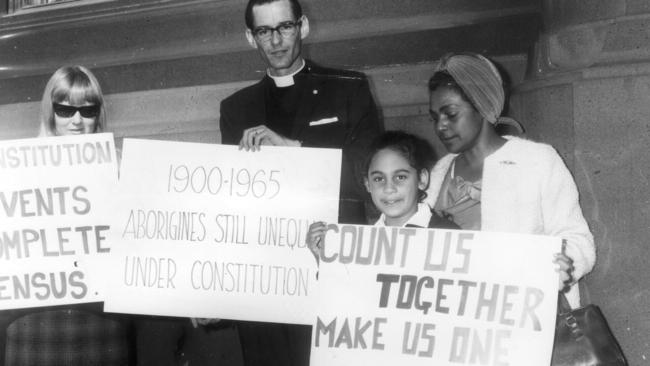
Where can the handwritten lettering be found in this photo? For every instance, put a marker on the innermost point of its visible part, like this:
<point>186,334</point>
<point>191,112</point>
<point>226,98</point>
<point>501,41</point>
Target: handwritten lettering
<point>369,245</point>
<point>486,300</point>
<point>411,340</point>
<point>230,229</point>
<point>282,232</point>
<point>165,225</point>
<point>479,347</point>
<point>249,278</point>
<point>149,272</point>
<point>350,336</point>
<point>55,155</point>
<point>232,182</point>
<point>45,202</point>
<point>43,286</point>
<point>25,243</point>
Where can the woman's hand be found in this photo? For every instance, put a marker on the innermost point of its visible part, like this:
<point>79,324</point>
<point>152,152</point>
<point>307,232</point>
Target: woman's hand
<point>565,269</point>
<point>256,136</point>
<point>316,238</point>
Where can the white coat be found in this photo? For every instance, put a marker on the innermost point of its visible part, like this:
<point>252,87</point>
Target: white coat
<point>527,188</point>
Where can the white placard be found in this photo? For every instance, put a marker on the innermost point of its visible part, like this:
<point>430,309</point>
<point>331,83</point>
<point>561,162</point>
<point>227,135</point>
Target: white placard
<point>54,218</point>
<point>406,296</point>
<point>211,231</point>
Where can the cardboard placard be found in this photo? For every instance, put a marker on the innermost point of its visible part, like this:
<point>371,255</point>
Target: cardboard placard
<point>211,231</point>
<point>391,296</point>
<point>54,218</point>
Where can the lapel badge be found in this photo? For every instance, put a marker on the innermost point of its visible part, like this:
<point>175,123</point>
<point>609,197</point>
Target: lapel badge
<point>315,91</point>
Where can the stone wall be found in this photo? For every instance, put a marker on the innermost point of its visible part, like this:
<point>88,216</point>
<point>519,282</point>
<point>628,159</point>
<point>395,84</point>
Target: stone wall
<point>588,93</point>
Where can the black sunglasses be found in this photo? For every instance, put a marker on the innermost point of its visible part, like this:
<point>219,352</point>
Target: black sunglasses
<point>67,111</point>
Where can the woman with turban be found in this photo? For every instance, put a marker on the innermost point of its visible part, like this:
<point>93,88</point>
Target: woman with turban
<point>495,183</point>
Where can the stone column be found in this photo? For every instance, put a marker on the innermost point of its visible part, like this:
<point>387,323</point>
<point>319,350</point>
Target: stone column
<point>587,92</point>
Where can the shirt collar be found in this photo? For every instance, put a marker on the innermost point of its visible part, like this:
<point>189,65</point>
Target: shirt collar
<point>286,80</point>
<point>421,217</point>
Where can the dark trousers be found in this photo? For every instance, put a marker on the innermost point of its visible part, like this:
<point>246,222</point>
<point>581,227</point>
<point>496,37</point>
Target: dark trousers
<point>274,344</point>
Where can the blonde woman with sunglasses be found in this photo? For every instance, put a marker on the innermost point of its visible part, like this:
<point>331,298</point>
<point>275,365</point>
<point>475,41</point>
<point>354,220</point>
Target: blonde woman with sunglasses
<point>80,334</point>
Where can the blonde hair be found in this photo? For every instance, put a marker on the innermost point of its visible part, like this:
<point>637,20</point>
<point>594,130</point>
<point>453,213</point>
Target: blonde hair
<point>75,85</point>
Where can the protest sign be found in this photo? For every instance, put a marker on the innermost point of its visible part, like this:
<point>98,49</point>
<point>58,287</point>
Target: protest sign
<point>391,296</point>
<point>211,231</point>
<point>54,202</point>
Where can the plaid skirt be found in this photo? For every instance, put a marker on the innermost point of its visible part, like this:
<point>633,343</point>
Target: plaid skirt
<point>67,337</point>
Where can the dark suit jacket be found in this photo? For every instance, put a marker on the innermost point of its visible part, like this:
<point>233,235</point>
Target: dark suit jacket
<point>325,93</point>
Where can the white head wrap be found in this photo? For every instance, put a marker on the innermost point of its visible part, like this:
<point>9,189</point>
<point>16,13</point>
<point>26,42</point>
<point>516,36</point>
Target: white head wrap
<point>479,79</point>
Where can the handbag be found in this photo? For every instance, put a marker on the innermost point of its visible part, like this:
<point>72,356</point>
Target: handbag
<point>583,338</point>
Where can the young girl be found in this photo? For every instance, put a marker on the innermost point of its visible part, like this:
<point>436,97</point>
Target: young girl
<point>397,176</point>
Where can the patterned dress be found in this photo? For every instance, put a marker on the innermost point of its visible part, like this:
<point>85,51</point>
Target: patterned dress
<point>71,335</point>
<point>460,201</point>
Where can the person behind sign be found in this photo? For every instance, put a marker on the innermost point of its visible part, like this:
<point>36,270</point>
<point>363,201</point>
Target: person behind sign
<point>397,176</point>
<point>81,334</point>
<point>493,183</point>
<point>72,103</point>
<point>300,104</point>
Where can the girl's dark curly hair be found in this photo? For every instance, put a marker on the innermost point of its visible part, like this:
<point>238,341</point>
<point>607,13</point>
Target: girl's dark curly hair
<point>417,151</point>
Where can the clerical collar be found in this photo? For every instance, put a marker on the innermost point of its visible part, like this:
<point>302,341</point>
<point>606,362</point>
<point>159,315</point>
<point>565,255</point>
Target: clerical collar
<point>286,80</point>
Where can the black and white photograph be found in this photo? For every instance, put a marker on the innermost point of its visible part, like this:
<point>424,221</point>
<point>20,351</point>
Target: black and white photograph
<point>324,182</point>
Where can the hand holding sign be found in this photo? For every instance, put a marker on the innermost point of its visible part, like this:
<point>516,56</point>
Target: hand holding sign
<point>417,296</point>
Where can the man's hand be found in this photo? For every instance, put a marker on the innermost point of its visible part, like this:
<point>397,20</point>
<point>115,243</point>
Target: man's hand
<point>256,136</point>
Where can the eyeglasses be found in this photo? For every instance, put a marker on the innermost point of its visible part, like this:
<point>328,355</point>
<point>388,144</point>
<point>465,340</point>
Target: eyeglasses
<point>285,29</point>
<point>67,111</point>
